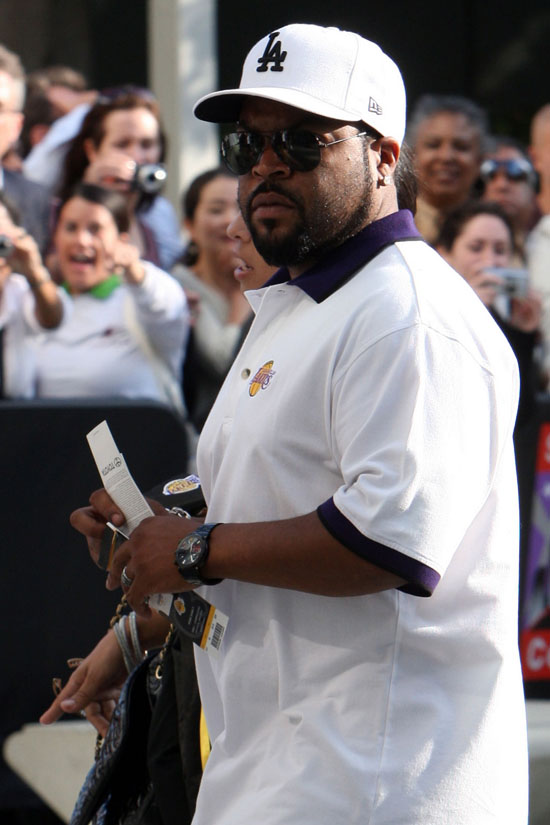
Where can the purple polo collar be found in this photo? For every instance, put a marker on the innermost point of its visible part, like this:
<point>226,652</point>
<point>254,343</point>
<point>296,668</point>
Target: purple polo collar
<point>339,264</point>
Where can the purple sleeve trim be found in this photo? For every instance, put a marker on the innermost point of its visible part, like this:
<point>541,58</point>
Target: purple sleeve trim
<point>422,580</point>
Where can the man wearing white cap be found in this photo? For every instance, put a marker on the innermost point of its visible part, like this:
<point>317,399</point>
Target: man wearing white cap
<point>362,531</point>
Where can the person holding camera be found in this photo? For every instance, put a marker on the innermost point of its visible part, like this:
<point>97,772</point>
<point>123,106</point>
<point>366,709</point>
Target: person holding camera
<point>478,240</point>
<point>29,302</point>
<point>121,146</point>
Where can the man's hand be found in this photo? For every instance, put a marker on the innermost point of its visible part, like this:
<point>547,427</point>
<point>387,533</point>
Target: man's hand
<point>148,559</point>
<point>91,521</point>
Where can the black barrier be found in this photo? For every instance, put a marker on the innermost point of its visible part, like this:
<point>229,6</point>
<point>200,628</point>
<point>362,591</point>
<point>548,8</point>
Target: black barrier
<point>53,603</point>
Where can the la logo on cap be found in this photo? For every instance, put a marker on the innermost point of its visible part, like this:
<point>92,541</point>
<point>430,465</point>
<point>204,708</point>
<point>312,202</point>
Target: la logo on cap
<point>272,54</point>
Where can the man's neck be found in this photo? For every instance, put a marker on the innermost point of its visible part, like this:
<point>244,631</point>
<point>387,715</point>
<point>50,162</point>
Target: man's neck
<point>381,210</point>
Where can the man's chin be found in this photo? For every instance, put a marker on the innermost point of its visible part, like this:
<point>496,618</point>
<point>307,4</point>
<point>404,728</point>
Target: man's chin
<point>279,249</point>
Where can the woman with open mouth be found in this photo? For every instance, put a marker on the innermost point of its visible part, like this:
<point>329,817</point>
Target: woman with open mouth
<point>128,320</point>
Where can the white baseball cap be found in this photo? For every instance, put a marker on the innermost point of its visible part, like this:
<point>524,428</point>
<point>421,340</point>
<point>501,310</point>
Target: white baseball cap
<point>325,71</point>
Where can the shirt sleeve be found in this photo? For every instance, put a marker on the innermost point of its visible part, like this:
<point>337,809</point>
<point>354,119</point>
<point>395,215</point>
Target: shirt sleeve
<point>418,463</point>
<point>163,313</point>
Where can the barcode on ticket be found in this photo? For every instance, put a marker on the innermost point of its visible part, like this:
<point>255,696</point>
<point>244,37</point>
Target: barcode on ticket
<point>215,632</point>
<point>217,636</point>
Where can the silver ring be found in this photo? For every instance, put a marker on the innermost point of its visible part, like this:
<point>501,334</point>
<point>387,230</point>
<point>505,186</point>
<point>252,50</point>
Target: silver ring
<point>125,579</point>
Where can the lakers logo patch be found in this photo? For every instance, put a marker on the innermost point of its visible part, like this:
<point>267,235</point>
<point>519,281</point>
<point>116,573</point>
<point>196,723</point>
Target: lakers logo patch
<point>181,485</point>
<point>179,606</point>
<point>262,378</point>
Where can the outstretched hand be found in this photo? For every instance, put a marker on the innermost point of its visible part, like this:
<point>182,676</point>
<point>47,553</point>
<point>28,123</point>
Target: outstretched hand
<point>94,686</point>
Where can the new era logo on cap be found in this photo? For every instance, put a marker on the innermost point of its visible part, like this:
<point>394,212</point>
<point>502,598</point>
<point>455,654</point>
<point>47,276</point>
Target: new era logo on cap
<point>374,106</point>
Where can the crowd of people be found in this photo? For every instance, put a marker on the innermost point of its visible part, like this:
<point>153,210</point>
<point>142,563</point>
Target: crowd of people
<point>57,134</point>
<point>366,575</point>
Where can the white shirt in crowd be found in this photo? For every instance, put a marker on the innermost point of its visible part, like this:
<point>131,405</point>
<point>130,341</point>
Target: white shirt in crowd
<point>99,351</point>
<point>20,326</point>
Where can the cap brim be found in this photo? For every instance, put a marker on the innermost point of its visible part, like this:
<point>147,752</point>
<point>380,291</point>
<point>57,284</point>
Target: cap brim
<point>225,106</point>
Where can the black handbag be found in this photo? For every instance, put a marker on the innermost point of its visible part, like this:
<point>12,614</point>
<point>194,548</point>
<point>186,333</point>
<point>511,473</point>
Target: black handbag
<point>117,789</point>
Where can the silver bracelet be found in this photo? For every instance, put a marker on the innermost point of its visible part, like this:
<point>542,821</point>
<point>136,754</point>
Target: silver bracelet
<point>120,634</point>
<point>138,653</point>
<point>178,511</point>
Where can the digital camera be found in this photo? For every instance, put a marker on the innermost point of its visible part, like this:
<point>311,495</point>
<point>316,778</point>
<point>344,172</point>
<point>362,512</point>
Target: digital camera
<point>515,282</point>
<point>149,178</point>
<point>6,246</point>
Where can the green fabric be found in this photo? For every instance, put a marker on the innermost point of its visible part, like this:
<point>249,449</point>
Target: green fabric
<point>102,290</point>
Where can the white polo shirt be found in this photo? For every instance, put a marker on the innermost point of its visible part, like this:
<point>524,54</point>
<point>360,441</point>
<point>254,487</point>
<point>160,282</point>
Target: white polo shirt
<point>376,389</point>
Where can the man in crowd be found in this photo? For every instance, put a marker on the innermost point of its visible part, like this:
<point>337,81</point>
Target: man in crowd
<point>31,200</point>
<point>508,178</point>
<point>362,532</point>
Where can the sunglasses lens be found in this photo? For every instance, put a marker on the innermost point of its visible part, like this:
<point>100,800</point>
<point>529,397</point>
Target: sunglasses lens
<point>513,169</point>
<point>299,150</point>
<point>241,150</point>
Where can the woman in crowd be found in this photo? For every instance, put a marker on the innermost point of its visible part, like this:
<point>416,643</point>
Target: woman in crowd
<point>207,274</point>
<point>447,136</point>
<point>125,333</point>
<point>29,303</point>
<point>476,239</point>
<point>121,132</point>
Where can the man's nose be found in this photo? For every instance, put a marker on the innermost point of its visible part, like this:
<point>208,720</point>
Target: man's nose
<point>269,163</point>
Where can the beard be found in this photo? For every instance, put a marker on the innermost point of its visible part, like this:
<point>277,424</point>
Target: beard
<point>332,213</point>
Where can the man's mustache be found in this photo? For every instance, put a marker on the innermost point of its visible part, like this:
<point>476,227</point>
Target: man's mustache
<point>270,187</point>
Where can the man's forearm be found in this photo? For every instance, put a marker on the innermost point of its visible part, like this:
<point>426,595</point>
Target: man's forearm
<point>298,554</point>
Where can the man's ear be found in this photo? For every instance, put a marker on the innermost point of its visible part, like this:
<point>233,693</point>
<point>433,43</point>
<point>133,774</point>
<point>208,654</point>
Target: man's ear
<point>388,150</point>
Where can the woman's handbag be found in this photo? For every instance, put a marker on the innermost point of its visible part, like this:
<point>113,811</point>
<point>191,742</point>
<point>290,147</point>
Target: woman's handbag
<point>117,789</point>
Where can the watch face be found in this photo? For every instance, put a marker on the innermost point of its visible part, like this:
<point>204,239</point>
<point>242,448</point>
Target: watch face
<point>193,550</point>
<point>190,550</point>
<point>192,553</point>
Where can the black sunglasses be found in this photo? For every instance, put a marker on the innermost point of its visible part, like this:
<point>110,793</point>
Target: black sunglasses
<point>298,149</point>
<point>514,169</point>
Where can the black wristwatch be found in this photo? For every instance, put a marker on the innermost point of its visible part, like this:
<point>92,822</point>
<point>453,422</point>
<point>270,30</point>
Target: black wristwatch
<point>192,553</point>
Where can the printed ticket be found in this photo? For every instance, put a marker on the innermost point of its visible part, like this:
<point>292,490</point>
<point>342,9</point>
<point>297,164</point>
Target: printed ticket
<point>193,615</point>
<point>116,477</point>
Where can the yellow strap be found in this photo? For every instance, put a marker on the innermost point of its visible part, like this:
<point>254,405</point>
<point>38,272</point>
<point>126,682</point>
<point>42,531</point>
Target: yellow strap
<point>204,740</point>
